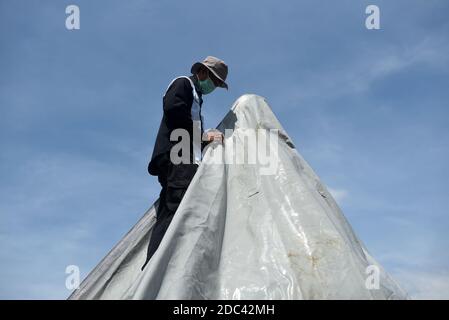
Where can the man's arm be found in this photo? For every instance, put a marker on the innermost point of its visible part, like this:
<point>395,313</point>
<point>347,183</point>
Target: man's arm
<point>178,105</point>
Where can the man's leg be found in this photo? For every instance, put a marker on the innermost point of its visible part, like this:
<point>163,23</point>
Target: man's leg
<point>173,190</point>
<point>163,219</point>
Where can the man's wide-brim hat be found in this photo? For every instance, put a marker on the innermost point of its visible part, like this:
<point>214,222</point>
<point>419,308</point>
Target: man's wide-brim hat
<point>216,66</point>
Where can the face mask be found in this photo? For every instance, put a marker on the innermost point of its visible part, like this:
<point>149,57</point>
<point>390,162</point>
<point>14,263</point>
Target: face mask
<point>206,86</point>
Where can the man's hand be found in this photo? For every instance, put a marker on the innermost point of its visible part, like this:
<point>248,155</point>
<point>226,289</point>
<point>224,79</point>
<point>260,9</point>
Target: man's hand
<point>213,135</point>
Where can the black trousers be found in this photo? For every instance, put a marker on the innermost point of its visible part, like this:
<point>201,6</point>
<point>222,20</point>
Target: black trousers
<point>174,179</point>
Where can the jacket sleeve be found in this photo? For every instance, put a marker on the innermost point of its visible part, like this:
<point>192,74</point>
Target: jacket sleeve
<point>178,105</point>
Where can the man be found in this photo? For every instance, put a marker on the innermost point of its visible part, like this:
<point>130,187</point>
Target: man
<point>182,110</point>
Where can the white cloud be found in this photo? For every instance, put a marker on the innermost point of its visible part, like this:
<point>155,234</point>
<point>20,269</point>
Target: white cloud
<point>424,284</point>
<point>338,194</point>
<point>356,75</point>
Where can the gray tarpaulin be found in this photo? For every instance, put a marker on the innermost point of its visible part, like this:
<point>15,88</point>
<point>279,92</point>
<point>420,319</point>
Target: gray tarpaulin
<point>256,230</point>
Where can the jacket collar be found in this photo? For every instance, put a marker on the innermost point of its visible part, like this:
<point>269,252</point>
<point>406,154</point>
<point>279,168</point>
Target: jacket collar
<point>197,87</point>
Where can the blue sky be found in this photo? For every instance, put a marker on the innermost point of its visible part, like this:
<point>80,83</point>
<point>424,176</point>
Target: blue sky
<point>79,111</point>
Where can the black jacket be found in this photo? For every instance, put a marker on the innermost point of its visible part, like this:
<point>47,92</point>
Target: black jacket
<point>177,105</point>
